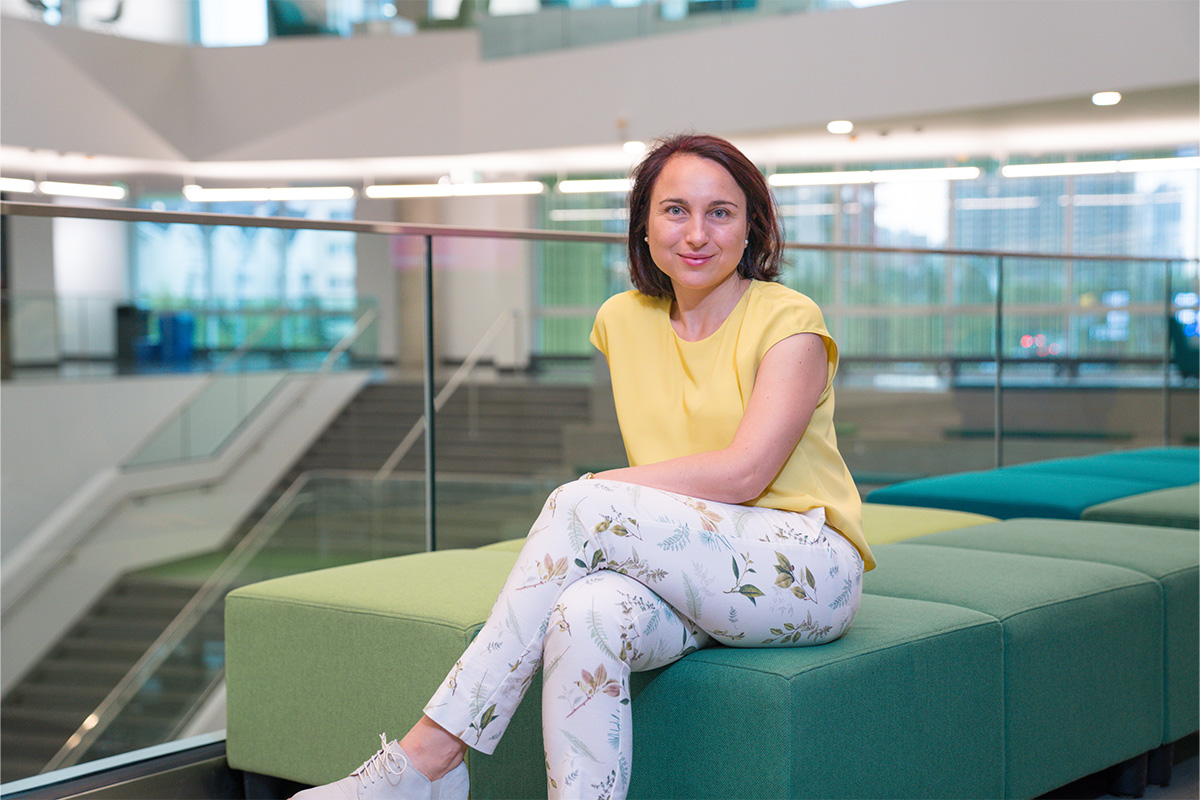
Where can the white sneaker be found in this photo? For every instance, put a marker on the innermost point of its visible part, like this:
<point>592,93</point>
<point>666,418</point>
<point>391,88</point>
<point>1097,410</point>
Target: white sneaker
<point>389,775</point>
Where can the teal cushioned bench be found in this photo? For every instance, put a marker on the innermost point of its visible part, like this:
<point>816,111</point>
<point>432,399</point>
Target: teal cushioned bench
<point>1169,556</point>
<point>1053,489</point>
<point>931,704</point>
<point>1177,507</point>
<point>319,663</point>
<point>1083,654</point>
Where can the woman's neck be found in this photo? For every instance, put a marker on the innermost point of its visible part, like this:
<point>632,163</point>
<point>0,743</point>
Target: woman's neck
<point>698,315</point>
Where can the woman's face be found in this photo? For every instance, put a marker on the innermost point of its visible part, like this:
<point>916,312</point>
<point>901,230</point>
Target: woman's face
<point>697,223</point>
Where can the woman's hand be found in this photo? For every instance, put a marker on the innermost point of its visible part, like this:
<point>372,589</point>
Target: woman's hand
<point>787,387</point>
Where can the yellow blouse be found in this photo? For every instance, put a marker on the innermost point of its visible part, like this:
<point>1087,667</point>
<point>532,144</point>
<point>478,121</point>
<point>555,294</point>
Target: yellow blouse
<point>676,397</point>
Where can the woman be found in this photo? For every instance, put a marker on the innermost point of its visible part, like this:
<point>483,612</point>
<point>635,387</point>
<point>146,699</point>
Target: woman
<point>736,521</point>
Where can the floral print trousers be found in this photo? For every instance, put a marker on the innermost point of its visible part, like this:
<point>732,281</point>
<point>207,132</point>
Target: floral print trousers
<point>615,578</point>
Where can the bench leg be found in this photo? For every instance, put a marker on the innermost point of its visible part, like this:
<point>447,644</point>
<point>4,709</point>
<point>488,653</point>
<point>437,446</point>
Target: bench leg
<point>1162,760</point>
<point>1129,777</point>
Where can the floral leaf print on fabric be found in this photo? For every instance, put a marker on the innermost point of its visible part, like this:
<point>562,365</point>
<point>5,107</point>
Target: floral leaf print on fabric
<point>597,557</point>
<point>549,571</point>
<point>790,634</point>
<point>747,590</point>
<point>709,518</point>
<point>596,683</point>
<point>678,540</point>
<point>599,637</point>
<point>485,719</point>
<point>618,526</point>
<point>843,598</point>
<point>786,579</point>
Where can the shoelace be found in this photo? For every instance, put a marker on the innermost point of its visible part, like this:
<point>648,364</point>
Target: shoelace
<point>387,761</point>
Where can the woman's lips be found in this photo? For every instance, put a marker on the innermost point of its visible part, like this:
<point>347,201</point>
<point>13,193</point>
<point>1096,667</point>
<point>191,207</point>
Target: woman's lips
<point>693,259</point>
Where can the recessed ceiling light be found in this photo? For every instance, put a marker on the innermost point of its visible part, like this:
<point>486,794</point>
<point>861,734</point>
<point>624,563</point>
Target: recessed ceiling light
<point>840,126</point>
<point>1106,98</point>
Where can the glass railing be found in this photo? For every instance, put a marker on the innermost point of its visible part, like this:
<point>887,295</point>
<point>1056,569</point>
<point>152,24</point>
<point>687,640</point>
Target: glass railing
<point>88,336</point>
<point>951,360</point>
<point>507,27</point>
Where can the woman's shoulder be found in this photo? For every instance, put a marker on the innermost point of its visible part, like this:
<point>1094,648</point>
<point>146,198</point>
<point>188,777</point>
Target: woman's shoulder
<point>775,301</point>
<point>778,294</point>
<point>628,304</point>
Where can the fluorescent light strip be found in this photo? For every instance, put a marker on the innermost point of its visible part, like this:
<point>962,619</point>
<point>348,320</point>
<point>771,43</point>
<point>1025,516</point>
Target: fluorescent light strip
<point>455,189</point>
<point>588,214</point>
<point>89,190</point>
<point>615,185</point>
<point>1051,170</point>
<point>198,194</point>
<point>873,176</point>
<point>17,185</point>
<point>1100,167</point>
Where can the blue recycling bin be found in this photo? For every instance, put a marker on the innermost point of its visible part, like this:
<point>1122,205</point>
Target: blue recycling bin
<point>175,332</point>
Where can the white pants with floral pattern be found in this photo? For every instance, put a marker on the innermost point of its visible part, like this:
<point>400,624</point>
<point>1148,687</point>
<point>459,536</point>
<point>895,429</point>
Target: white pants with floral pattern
<point>615,578</point>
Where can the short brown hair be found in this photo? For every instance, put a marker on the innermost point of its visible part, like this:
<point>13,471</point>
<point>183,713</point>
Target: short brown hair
<point>765,248</point>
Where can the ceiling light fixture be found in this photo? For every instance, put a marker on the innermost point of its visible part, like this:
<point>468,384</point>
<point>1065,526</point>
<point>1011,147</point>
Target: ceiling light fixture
<point>454,189</point>
<point>1106,98</point>
<point>17,185</point>
<point>1099,167</point>
<point>599,185</point>
<point>873,176</point>
<point>89,190</point>
<point>199,194</point>
<point>840,126</point>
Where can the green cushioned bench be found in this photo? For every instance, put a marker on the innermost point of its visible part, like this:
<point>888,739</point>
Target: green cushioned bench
<point>1082,652</point>
<point>1169,556</point>
<point>1177,507</point>
<point>968,673</point>
<point>1054,489</point>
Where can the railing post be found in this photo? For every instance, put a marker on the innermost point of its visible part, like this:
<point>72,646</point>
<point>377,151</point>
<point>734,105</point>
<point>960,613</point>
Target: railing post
<point>430,489</point>
<point>998,419</point>
<point>1169,303</point>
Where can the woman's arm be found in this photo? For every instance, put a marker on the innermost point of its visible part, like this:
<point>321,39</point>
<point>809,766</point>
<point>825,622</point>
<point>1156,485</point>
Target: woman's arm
<point>787,386</point>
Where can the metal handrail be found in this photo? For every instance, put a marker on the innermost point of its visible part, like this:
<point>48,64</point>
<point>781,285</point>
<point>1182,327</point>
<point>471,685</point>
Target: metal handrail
<point>456,380</point>
<point>213,588</point>
<point>408,229</point>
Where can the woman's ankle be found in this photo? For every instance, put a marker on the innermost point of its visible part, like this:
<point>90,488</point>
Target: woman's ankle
<point>433,750</point>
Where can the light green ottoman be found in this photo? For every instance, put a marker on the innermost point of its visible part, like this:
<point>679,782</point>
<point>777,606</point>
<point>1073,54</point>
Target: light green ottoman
<point>319,664</point>
<point>1177,507</point>
<point>1083,671</point>
<point>884,523</point>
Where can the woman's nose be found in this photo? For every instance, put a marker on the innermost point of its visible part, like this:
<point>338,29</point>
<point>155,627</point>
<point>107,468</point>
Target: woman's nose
<point>697,232</point>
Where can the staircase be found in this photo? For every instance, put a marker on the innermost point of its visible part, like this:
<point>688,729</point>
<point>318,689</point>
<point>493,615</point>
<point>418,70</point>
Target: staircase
<point>503,430</point>
<point>50,703</point>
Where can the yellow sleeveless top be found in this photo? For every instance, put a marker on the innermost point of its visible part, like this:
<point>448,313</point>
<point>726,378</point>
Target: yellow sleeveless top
<point>676,398</point>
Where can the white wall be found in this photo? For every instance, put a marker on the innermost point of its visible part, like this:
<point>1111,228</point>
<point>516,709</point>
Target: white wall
<point>91,277</point>
<point>33,328</point>
<point>57,435</point>
<point>432,94</point>
<point>476,280</point>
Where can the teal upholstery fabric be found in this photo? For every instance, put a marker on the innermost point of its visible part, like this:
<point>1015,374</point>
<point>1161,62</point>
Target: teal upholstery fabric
<point>1177,507</point>
<point>909,703</point>
<point>1011,492</point>
<point>1169,556</point>
<point>1061,488</point>
<point>1161,468</point>
<point>1083,660</point>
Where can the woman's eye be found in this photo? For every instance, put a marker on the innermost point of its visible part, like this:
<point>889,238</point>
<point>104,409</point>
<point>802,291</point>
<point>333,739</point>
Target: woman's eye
<point>720,213</point>
<point>675,210</point>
